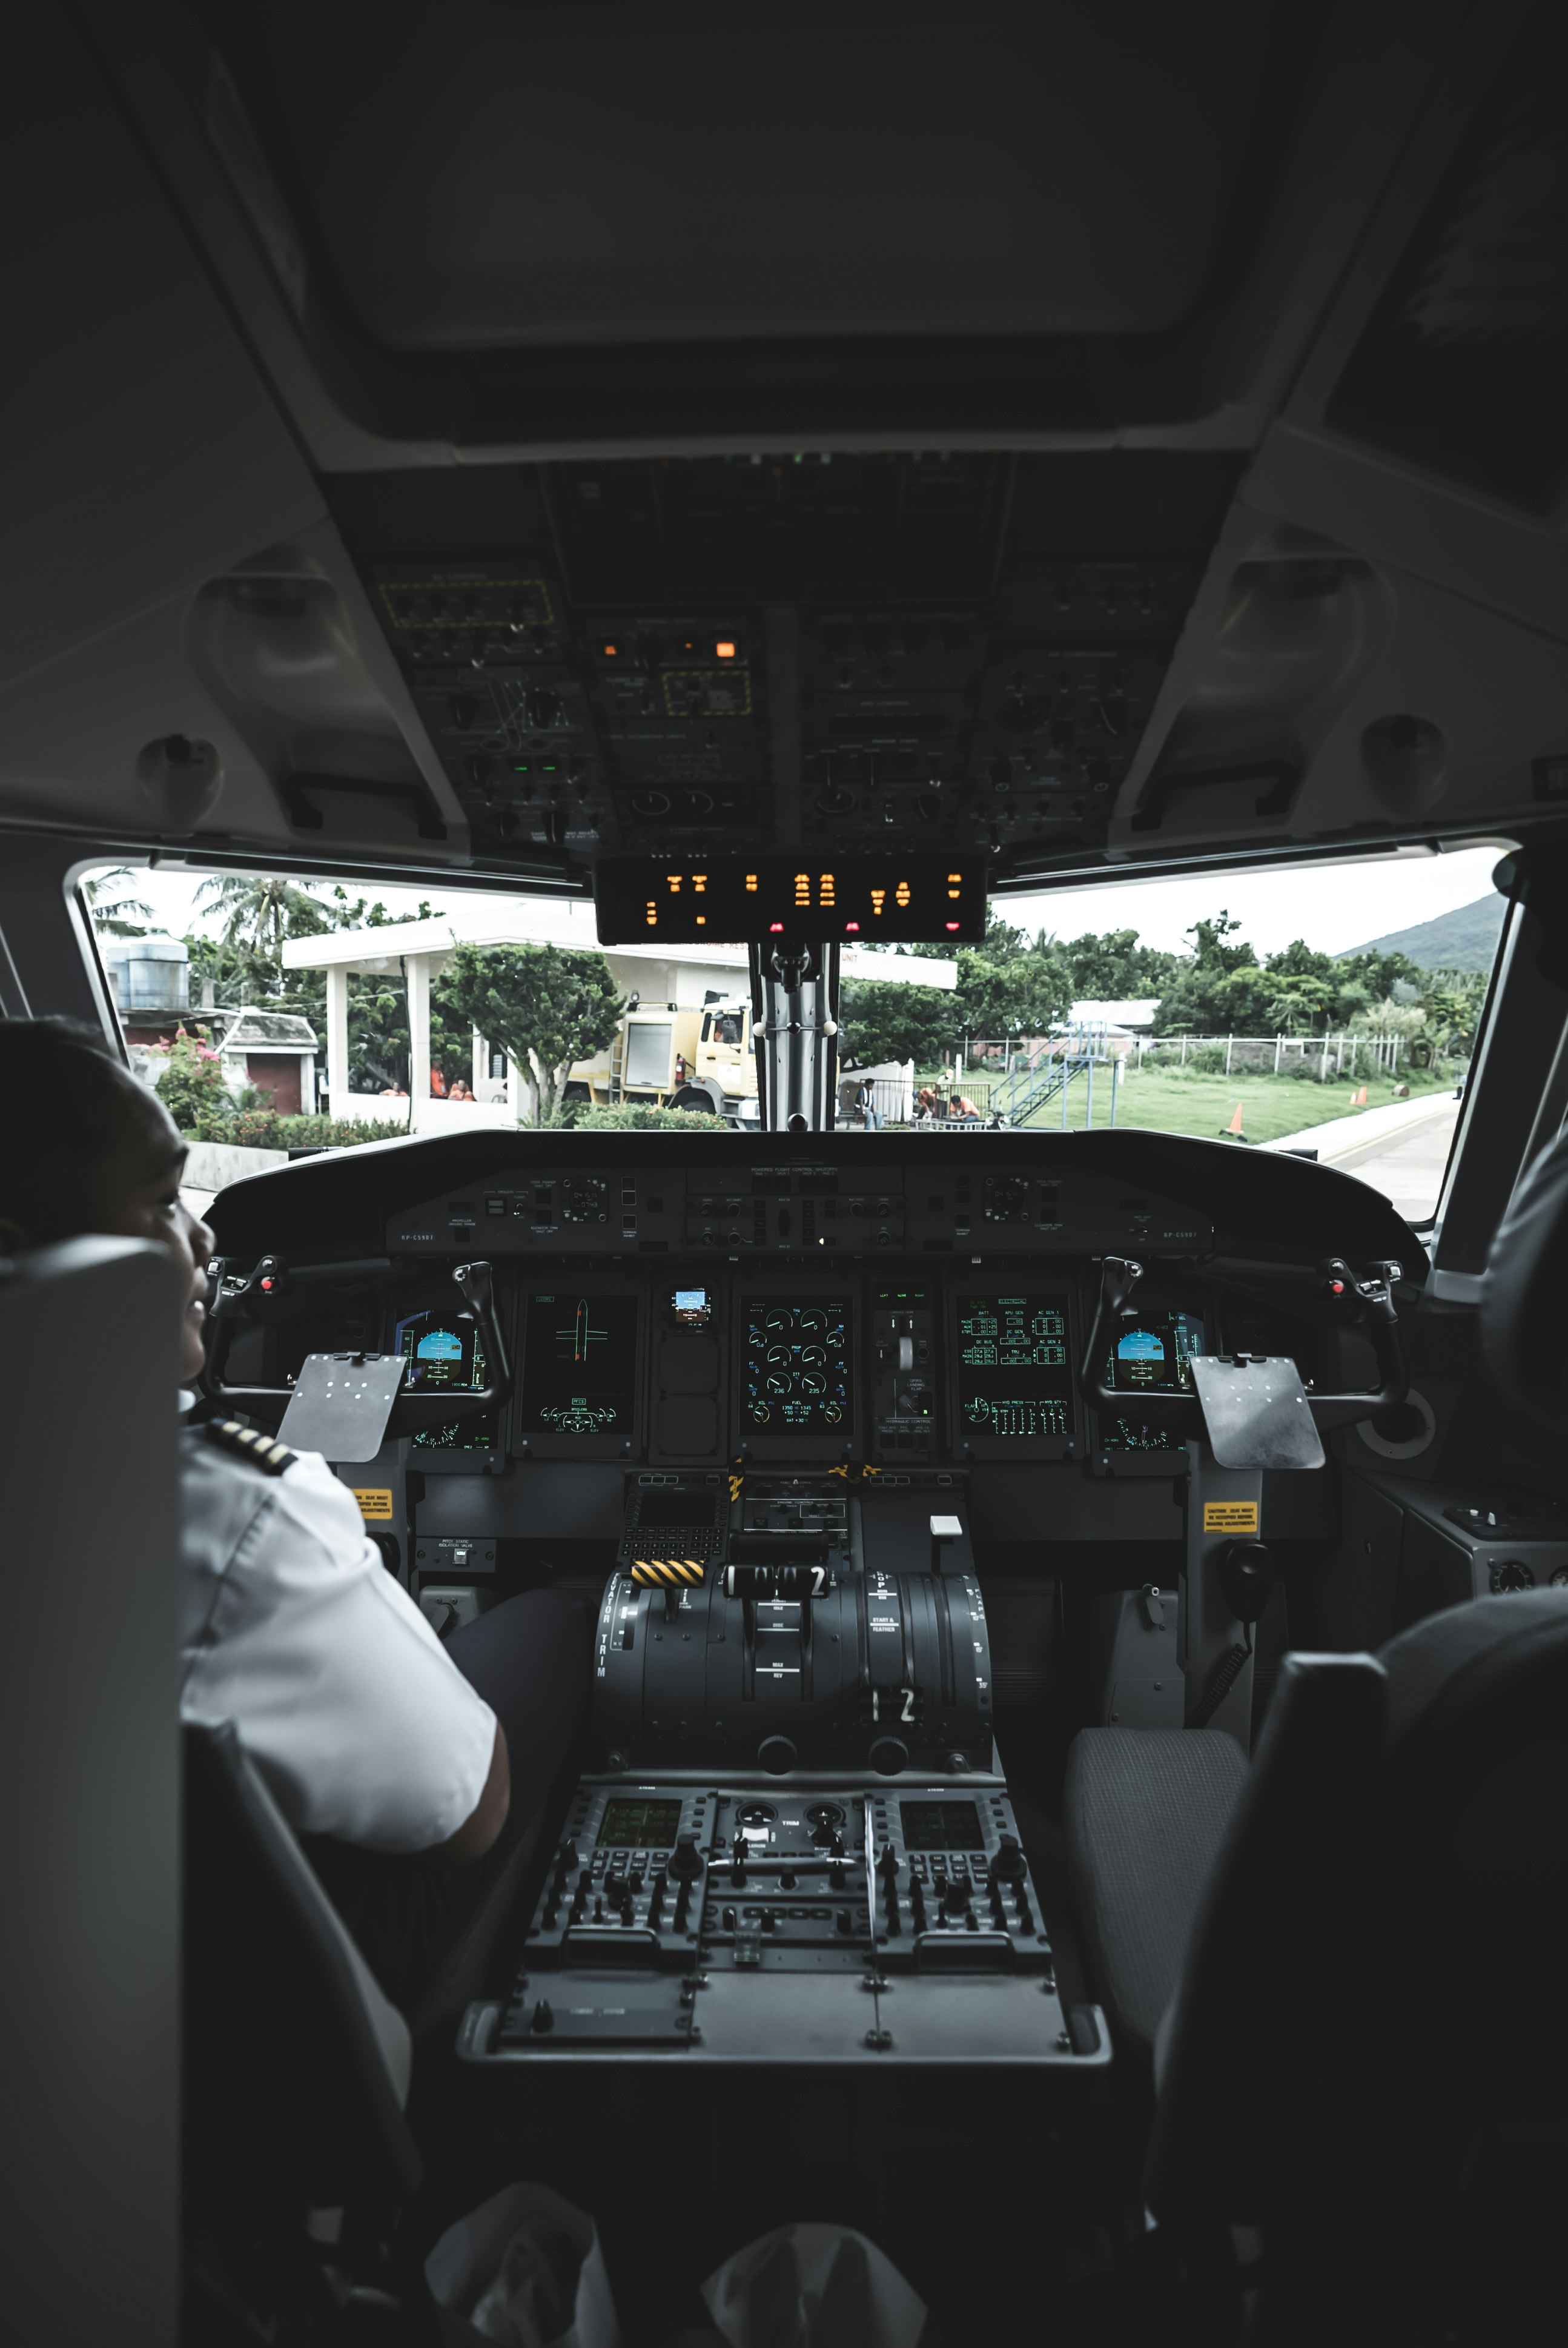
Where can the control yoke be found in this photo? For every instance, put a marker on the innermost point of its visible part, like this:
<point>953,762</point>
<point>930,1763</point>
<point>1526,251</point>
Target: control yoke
<point>1364,1299</point>
<point>239,1296</point>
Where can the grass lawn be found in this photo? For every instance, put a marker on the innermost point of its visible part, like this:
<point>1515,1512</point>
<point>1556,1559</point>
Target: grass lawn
<point>1171,1102</point>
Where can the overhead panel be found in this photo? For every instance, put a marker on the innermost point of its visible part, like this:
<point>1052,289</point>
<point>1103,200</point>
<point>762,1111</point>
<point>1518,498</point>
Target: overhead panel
<point>834,653</point>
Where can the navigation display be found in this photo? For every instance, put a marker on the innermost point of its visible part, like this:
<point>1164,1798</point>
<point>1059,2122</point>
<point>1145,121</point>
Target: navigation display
<point>797,1375</point>
<point>1014,1379</point>
<point>1154,1353</point>
<point>580,1365</point>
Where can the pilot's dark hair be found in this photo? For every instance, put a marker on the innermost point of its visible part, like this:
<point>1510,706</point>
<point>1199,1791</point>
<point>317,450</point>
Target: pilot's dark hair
<point>67,1095</point>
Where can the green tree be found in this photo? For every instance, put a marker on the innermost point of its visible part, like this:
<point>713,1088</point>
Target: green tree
<point>1024,995</point>
<point>1221,990</point>
<point>547,1006</point>
<point>1454,1001</point>
<point>244,964</point>
<point>260,909</point>
<point>112,904</point>
<point>1114,968</point>
<point>880,1022</point>
<point>1383,975</point>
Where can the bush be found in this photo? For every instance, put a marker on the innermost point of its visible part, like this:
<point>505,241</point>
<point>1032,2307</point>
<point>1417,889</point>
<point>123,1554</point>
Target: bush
<point>190,1082</point>
<point>268,1128</point>
<point>639,1117</point>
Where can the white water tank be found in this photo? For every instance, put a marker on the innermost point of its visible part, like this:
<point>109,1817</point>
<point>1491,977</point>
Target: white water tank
<point>150,975</point>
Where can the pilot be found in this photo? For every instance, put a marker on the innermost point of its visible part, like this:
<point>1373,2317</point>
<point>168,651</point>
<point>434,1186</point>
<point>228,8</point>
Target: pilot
<point>401,1761</point>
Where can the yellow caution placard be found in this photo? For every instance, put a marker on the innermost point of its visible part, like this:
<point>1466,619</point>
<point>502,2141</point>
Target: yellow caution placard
<point>1230,1517</point>
<point>652,1572</point>
<point>375,1507</point>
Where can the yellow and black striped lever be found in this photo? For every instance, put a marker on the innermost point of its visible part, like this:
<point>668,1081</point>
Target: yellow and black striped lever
<point>666,1572</point>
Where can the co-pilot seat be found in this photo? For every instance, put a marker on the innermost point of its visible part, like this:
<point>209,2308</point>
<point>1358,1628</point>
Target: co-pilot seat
<point>1145,1811</point>
<point>1339,1969</point>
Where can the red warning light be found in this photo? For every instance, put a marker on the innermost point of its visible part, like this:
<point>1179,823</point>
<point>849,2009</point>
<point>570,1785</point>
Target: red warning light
<point>952,925</point>
<point>852,925</point>
<point>775,926</point>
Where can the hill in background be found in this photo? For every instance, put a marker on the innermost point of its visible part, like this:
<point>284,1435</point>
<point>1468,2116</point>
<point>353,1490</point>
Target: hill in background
<point>1463,940</point>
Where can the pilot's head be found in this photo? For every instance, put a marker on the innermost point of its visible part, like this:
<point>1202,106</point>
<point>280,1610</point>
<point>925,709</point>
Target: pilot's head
<point>84,1147</point>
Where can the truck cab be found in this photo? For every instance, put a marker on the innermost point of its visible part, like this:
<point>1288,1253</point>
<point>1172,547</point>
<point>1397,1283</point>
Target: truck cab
<point>680,1058</point>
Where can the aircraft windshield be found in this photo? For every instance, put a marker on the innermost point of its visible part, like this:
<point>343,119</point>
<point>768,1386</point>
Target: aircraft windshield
<point>1329,1009</point>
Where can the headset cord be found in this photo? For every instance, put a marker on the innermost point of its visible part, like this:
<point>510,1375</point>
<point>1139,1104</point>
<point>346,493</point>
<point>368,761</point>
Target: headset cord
<point>1221,1681</point>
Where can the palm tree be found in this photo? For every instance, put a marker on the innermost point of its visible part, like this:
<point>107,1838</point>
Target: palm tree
<point>260,911</point>
<point>111,906</point>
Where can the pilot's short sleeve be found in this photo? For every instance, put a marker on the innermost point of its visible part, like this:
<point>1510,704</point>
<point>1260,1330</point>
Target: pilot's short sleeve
<point>340,1690</point>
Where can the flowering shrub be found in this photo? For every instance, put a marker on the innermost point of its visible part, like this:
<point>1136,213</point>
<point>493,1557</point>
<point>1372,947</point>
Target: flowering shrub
<point>190,1082</point>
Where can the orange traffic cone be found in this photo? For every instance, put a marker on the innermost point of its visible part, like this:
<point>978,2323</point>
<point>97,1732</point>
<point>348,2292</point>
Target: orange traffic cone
<point>1235,1125</point>
<point>1358,1100</point>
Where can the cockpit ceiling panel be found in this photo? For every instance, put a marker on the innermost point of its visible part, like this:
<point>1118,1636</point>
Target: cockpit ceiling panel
<point>829,171</point>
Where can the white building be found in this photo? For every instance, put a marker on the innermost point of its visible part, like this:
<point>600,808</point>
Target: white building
<point>1121,1018</point>
<point>420,950</point>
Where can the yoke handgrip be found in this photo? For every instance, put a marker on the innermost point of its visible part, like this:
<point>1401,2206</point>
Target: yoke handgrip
<point>1373,1297</point>
<point>411,1412</point>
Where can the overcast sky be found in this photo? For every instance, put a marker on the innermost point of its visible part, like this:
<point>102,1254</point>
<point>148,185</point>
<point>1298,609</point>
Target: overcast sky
<point>1333,907</point>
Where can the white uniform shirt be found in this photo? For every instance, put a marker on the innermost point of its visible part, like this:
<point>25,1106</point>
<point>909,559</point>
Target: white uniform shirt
<point>291,1627</point>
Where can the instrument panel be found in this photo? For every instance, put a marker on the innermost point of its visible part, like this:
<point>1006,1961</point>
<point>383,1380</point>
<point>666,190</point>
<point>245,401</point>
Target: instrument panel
<point>632,1361</point>
<point>736,1303</point>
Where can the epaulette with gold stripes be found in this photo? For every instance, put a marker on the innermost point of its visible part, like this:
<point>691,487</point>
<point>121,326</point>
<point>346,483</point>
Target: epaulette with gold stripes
<point>253,1442</point>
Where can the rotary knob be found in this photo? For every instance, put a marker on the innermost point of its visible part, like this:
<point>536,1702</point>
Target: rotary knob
<point>1008,1865</point>
<point>686,1860</point>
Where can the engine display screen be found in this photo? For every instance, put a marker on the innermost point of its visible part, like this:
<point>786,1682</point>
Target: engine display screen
<point>798,1374</point>
<point>1154,1353</point>
<point>580,1365</point>
<point>940,1826</point>
<point>871,900</point>
<point>692,1307</point>
<point>639,1826</point>
<point>1014,1377</point>
<point>443,1349</point>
